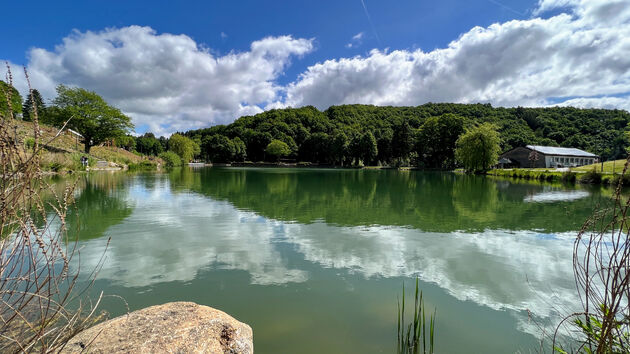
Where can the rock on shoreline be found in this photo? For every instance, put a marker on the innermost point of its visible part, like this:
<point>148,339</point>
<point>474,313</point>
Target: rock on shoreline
<point>176,327</point>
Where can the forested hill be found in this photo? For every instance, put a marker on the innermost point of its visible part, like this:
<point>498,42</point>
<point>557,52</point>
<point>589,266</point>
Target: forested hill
<point>426,134</point>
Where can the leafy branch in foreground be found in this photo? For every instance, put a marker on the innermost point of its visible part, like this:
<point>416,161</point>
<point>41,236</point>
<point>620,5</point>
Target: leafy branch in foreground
<point>601,266</point>
<point>409,336</point>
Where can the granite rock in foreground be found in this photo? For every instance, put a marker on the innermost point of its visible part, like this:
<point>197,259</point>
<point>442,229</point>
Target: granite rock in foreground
<point>176,327</point>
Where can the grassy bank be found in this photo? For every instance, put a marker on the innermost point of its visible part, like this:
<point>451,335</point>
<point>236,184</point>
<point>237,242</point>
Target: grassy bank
<point>582,176</point>
<point>538,175</point>
<point>609,167</point>
<point>62,152</point>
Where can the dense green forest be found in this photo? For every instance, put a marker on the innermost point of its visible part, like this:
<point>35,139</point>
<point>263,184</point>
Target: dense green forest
<point>424,135</point>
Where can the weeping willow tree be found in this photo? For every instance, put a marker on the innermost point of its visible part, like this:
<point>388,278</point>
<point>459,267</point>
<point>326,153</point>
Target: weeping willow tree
<point>41,308</point>
<point>478,149</point>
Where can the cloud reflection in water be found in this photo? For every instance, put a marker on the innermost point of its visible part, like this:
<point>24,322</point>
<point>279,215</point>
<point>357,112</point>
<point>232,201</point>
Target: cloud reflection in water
<point>172,236</point>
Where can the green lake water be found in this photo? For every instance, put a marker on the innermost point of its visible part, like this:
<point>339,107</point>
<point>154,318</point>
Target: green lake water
<point>314,260</point>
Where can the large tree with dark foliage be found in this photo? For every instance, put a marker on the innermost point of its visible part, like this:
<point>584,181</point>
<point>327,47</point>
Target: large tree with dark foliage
<point>402,140</point>
<point>148,144</point>
<point>219,148</point>
<point>33,100</point>
<point>89,114</point>
<point>9,93</point>
<point>435,140</point>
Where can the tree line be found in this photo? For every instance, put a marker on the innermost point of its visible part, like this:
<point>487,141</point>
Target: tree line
<point>425,135</point>
<point>429,136</point>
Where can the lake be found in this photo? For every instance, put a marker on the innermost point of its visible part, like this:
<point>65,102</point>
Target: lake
<point>314,259</point>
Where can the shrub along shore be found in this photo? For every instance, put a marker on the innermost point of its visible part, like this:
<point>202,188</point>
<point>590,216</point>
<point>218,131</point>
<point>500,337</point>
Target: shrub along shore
<point>587,177</point>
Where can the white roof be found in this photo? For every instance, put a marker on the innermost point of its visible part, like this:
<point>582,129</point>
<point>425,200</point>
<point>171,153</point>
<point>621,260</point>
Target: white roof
<point>74,132</point>
<point>552,150</point>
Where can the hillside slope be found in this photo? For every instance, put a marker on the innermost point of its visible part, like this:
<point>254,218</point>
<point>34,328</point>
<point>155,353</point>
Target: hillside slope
<point>63,152</point>
<point>600,131</point>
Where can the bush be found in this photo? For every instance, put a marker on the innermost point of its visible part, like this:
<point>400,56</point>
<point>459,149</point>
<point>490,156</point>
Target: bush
<point>171,159</point>
<point>55,162</point>
<point>144,165</point>
<point>541,176</point>
<point>590,177</point>
<point>624,179</point>
<point>568,177</point>
<point>76,161</point>
<point>29,143</point>
<point>55,166</point>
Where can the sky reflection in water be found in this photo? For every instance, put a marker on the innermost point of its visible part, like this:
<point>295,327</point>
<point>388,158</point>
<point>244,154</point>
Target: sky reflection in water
<point>177,230</point>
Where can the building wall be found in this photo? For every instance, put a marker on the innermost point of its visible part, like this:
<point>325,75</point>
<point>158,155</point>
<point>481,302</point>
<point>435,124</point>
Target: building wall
<point>570,161</point>
<point>520,156</point>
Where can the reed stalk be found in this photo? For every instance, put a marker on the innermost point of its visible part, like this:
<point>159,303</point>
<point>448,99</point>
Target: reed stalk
<point>41,307</point>
<point>412,337</point>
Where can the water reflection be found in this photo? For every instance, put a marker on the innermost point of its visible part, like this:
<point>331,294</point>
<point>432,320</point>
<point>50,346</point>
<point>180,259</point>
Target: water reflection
<point>170,237</point>
<point>100,203</point>
<point>502,270</point>
<point>550,196</point>
<point>473,237</point>
<point>427,201</point>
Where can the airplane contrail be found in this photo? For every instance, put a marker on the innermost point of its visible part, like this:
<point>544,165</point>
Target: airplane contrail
<point>367,14</point>
<point>508,8</point>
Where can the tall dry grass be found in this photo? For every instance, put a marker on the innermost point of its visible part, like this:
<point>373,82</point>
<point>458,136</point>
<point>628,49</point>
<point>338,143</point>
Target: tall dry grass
<point>601,266</point>
<point>41,306</point>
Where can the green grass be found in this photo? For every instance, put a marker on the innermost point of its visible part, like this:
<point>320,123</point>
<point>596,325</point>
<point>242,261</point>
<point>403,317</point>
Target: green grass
<point>116,155</point>
<point>544,175</point>
<point>609,167</point>
<point>144,165</point>
<point>64,152</point>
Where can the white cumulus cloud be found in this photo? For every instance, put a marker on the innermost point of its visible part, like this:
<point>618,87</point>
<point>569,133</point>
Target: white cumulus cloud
<point>548,5</point>
<point>356,41</point>
<point>538,61</point>
<point>168,82</point>
<point>599,102</point>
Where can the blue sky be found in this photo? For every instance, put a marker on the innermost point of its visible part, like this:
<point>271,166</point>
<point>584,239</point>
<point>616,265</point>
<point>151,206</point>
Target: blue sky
<point>320,63</point>
<point>399,24</point>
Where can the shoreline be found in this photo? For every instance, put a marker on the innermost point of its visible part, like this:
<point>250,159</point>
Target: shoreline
<point>261,164</point>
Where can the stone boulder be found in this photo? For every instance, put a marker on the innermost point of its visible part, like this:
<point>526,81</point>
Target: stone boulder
<point>176,327</point>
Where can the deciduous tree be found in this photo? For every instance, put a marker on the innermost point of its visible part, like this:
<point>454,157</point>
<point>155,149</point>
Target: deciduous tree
<point>402,141</point>
<point>435,140</point>
<point>369,149</point>
<point>182,146</point>
<point>9,93</point>
<point>478,149</point>
<point>148,144</point>
<point>89,114</point>
<point>218,148</point>
<point>278,149</point>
